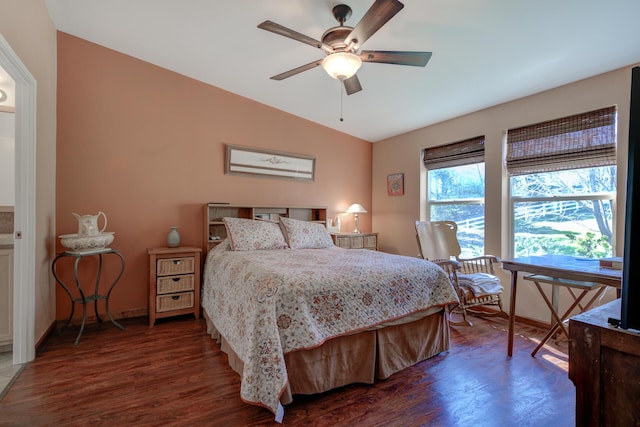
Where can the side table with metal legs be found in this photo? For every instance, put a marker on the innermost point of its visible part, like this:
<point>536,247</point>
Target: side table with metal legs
<point>85,299</point>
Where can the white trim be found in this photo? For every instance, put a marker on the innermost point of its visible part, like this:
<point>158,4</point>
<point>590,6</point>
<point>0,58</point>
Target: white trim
<point>25,209</point>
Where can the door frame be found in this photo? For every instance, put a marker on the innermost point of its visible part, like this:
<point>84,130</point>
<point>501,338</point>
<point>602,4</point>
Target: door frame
<point>24,264</point>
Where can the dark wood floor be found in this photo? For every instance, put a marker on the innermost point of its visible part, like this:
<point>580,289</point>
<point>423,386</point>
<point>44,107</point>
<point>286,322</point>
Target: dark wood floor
<point>174,374</point>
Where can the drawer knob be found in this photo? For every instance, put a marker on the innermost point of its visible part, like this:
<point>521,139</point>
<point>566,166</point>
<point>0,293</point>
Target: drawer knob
<point>175,297</point>
<point>176,261</point>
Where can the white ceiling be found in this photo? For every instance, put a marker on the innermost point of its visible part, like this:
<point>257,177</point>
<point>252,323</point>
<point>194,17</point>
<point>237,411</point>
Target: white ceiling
<point>484,52</point>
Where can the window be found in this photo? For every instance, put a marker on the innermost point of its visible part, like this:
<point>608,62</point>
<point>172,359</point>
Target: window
<point>455,188</point>
<point>563,182</point>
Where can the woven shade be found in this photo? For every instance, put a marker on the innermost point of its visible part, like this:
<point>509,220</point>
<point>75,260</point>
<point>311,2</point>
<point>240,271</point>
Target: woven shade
<point>455,154</point>
<point>580,141</point>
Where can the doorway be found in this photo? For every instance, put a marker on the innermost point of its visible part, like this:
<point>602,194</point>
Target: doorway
<point>25,202</point>
<point>7,203</point>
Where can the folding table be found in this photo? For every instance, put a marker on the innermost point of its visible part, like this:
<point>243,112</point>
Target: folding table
<point>574,271</point>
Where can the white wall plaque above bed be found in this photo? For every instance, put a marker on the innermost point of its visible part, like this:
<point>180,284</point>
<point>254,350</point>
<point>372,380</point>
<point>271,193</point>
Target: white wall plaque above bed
<point>268,163</point>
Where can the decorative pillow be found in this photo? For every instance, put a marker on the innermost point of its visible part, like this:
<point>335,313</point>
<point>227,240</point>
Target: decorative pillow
<point>306,234</point>
<point>249,235</point>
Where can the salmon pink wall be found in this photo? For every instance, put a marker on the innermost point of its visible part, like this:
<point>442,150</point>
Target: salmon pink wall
<point>146,146</point>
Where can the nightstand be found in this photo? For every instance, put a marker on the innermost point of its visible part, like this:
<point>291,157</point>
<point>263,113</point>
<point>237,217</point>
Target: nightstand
<point>174,282</point>
<point>356,240</point>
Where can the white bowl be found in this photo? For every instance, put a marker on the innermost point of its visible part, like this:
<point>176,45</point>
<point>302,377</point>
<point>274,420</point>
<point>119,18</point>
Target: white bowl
<point>76,242</point>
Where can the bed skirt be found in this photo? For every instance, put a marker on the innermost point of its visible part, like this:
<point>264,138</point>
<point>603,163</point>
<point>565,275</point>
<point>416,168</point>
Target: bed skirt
<point>358,358</point>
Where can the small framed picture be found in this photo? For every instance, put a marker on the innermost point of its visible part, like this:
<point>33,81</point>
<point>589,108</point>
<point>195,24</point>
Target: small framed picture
<point>395,184</point>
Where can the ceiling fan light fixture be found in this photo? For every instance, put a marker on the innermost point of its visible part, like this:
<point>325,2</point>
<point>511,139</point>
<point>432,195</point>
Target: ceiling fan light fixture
<point>341,65</point>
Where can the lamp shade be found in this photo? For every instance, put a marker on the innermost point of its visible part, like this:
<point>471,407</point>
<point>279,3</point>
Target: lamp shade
<point>341,65</point>
<point>356,208</point>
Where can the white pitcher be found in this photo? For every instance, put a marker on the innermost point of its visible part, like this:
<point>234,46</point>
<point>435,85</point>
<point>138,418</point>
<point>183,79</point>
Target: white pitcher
<point>88,224</point>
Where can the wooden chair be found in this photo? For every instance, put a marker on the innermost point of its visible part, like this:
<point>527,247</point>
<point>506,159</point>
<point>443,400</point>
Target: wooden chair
<point>473,278</point>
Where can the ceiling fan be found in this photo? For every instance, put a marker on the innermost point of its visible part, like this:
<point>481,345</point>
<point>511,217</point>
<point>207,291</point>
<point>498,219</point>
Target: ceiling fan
<point>342,43</point>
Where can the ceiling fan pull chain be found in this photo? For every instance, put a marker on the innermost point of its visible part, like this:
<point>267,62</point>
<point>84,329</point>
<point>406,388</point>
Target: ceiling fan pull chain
<point>341,96</point>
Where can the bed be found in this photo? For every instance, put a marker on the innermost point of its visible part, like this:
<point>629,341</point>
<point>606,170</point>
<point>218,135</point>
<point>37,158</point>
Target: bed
<point>297,315</point>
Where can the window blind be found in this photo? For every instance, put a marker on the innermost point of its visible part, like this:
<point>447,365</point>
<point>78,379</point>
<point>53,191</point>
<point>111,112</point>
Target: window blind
<point>579,141</point>
<point>459,153</point>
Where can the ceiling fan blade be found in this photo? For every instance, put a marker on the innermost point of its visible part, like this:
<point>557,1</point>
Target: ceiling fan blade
<point>287,32</point>
<point>378,14</point>
<point>416,59</point>
<point>298,70</point>
<point>352,85</point>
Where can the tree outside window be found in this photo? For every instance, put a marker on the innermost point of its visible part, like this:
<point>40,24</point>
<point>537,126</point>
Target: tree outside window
<point>563,185</point>
<point>455,188</point>
<point>565,212</point>
<point>457,194</point>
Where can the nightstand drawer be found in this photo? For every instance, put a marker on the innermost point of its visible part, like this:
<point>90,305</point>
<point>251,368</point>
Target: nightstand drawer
<point>343,242</point>
<point>356,240</point>
<point>371,241</point>
<point>173,284</point>
<point>174,266</point>
<point>174,302</point>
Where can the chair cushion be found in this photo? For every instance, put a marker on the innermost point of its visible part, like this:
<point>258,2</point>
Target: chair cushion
<point>481,283</point>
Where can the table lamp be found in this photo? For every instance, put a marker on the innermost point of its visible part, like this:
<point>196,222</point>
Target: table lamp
<point>356,209</point>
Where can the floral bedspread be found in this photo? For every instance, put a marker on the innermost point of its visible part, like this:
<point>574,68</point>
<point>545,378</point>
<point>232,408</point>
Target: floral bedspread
<point>267,303</point>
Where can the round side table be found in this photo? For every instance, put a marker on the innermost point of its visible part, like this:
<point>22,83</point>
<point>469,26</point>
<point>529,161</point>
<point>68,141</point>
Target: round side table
<point>96,296</point>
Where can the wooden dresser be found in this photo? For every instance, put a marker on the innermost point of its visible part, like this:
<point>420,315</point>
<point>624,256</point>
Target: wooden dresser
<point>604,365</point>
<point>174,282</point>
<point>356,240</point>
